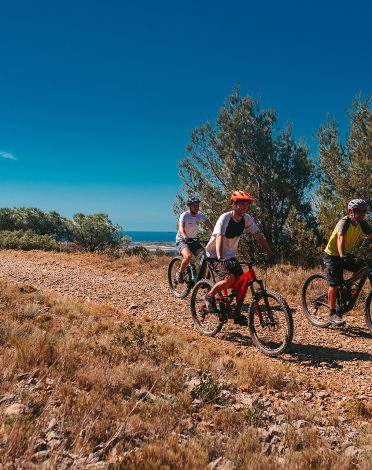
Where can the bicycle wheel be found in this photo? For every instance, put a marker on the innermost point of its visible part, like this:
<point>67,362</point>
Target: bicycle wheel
<point>367,311</point>
<point>270,323</point>
<point>180,290</point>
<point>207,323</point>
<point>315,300</point>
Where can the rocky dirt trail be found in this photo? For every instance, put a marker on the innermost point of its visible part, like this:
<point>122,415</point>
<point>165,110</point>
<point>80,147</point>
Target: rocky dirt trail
<point>339,359</point>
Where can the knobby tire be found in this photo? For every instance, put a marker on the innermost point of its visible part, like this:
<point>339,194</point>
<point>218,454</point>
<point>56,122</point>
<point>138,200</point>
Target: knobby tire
<point>262,335</point>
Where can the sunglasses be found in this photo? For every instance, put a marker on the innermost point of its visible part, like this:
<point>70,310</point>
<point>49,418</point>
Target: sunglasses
<point>360,211</point>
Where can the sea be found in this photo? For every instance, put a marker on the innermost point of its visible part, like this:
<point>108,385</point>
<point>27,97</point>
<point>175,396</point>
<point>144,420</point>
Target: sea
<point>151,237</point>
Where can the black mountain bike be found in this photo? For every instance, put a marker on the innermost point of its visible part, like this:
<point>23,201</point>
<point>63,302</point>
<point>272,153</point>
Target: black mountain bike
<point>315,297</point>
<point>195,271</point>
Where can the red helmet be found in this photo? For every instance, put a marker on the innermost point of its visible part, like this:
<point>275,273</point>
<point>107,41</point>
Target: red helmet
<point>241,196</point>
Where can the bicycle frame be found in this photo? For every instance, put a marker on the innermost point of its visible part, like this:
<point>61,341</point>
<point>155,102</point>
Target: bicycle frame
<point>245,281</point>
<point>362,275</point>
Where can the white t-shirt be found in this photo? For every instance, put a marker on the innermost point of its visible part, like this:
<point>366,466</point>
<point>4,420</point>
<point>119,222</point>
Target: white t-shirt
<point>191,224</point>
<point>232,232</point>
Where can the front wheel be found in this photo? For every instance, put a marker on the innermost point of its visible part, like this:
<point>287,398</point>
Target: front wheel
<point>270,323</point>
<point>315,300</point>
<point>367,311</point>
<point>180,290</point>
<point>207,323</point>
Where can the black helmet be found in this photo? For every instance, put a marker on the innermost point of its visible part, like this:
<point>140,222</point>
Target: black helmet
<point>357,204</point>
<point>193,199</point>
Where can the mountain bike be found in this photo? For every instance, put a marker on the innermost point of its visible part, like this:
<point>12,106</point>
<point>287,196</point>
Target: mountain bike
<point>270,319</point>
<point>195,271</point>
<point>315,297</point>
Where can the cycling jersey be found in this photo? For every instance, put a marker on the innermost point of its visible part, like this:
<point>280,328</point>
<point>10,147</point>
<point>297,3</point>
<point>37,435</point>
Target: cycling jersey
<point>232,231</point>
<point>191,223</point>
<point>351,234</point>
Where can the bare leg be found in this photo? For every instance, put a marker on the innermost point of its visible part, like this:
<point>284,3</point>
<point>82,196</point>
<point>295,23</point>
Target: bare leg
<point>186,254</point>
<point>332,295</point>
<point>224,284</point>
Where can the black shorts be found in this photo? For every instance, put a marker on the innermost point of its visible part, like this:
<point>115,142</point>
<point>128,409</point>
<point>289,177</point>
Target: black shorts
<point>220,270</point>
<point>335,265</point>
<point>195,247</point>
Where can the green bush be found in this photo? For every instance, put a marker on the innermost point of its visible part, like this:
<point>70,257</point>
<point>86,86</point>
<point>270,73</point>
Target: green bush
<point>140,250</point>
<point>96,233</point>
<point>27,240</point>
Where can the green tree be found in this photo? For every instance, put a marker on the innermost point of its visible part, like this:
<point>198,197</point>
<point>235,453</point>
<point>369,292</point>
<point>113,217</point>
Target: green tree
<point>303,243</point>
<point>344,170</point>
<point>245,150</point>
<point>40,222</point>
<point>95,232</point>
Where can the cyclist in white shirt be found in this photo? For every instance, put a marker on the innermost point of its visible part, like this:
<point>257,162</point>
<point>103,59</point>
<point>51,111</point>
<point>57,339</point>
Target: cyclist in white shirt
<point>222,248</point>
<point>186,238</point>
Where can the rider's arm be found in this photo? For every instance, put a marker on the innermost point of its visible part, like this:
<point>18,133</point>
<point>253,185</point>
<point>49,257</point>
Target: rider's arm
<point>219,245</point>
<point>208,225</point>
<point>262,242</point>
<point>341,243</point>
<point>181,229</point>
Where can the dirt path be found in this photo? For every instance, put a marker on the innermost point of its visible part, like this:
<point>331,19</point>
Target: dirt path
<point>339,358</point>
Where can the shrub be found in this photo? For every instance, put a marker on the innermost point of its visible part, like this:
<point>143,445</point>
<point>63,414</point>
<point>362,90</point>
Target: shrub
<point>96,233</point>
<point>27,240</point>
<point>140,251</point>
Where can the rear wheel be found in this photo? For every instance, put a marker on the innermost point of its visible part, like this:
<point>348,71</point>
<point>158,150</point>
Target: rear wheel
<point>367,311</point>
<point>207,323</point>
<point>315,300</point>
<point>270,323</point>
<point>180,290</point>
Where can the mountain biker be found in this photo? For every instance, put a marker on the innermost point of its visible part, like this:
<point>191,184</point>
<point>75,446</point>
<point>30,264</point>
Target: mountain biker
<point>186,242</point>
<point>223,246</point>
<point>337,254</point>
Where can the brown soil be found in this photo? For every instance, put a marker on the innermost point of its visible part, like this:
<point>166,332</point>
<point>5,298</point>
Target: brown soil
<point>339,359</point>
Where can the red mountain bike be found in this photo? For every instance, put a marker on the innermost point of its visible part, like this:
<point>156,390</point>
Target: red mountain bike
<point>270,319</point>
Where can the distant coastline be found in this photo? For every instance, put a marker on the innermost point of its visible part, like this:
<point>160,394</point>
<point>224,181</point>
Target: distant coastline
<point>153,240</point>
<point>151,236</point>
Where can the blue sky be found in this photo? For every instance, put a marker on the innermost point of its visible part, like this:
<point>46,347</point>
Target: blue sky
<point>98,99</point>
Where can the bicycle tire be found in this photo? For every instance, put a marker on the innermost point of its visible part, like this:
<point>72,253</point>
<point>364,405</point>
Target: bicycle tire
<point>179,290</point>
<point>208,324</point>
<point>314,295</point>
<point>367,311</point>
<point>272,331</point>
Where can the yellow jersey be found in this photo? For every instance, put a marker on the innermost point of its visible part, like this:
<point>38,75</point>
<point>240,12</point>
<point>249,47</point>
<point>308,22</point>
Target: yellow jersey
<point>351,233</point>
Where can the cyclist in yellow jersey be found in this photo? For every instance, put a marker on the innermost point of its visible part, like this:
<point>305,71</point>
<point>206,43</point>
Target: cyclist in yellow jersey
<point>337,254</point>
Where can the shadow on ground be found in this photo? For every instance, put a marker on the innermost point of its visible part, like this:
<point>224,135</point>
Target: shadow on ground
<point>312,355</point>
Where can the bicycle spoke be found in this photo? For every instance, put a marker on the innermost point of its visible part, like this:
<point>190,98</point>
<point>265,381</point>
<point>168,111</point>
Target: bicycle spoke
<point>180,290</point>
<point>271,323</point>
<point>206,322</point>
<point>315,300</point>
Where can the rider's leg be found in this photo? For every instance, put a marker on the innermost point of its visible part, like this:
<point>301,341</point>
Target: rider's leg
<point>209,298</point>
<point>221,285</point>
<point>186,255</point>
<point>334,274</point>
<point>332,296</point>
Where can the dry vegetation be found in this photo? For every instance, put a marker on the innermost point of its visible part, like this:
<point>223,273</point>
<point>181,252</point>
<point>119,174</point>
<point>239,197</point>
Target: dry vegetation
<point>88,386</point>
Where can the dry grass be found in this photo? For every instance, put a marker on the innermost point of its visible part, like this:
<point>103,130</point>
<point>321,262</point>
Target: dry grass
<point>118,392</point>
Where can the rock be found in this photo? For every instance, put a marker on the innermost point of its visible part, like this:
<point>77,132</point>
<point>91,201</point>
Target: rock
<point>300,423</point>
<point>352,451</point>
<point>52,435</point>
<point>40,445</point>
<point>40,456</point>
<point>15,410</point>
<point>51,425</point>
<point>221,464</point>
